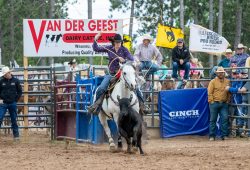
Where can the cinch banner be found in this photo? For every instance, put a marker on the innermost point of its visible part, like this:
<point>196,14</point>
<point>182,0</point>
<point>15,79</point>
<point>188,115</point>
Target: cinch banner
<point>183,112</point>
<point>204,40</point>
<point>66,37</point>
<point>167,36</point>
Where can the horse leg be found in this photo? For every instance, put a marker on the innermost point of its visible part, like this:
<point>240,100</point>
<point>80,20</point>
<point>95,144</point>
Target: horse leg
<point>105,126</point>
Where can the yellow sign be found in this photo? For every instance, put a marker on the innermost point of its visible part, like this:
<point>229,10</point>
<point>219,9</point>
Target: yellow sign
<point>167,36</point>
<point>127,42</point>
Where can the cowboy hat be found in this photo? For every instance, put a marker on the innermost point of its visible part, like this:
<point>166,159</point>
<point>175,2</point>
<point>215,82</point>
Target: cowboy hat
<point>228,51</point>
<point>147,37</point>
<point>6,70</point>
<point>240,46</point>
<point>116,38</point>
<point>220,70</point>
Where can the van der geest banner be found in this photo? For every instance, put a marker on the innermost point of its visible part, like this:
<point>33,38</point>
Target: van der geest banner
<point>66,37</point>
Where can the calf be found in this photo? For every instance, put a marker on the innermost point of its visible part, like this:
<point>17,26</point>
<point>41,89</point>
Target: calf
<point>130,124</point>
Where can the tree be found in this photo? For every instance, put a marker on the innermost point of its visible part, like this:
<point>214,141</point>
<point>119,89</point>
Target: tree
<point>182,14</point>
<point>238,24</point>
<point>211,20</point>
<point>220,24</point>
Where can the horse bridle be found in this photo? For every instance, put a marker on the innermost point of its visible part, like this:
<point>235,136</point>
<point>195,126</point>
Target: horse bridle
<point>127,84</point>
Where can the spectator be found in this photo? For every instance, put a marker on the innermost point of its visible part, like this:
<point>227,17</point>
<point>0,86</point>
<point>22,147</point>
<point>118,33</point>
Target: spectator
<point>239,59</point>
<point>218,98</point>
<point>146,54</point>
<point>180,57</point>
<point>162,73</point>
<point>225,62</point>
<point>10,92</point>
<point>73,69</point>
<point>236,91</point>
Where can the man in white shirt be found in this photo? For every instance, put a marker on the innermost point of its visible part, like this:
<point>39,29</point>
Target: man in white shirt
<point>146,53</point>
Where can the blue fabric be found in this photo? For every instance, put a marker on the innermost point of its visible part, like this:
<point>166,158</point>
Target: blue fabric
<point>216,109</point>
<point>12,108</point>
<point>148,65</point>
<point>196,119</point>
<point>224,63</point>
<point>103,86</point>
<point>184,66</point>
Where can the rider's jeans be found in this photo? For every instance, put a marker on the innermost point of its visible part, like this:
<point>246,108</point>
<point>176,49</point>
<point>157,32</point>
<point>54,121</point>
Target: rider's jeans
<point>148,65</point>
<point>13,115</point>
<point>184,66</point>
<point>103,86</point>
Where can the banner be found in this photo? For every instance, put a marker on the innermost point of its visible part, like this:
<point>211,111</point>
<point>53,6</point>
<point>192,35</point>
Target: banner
<point>66,37</point>
<point>167,36</point>
<point>127,42</point>
<point>183,112</point>
<point>204,40</point>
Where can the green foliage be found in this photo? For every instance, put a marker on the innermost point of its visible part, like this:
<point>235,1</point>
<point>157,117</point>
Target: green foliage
<point>23,9</point>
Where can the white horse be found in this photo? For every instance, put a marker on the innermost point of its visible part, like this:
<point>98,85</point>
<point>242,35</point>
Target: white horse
<point>125,87</point>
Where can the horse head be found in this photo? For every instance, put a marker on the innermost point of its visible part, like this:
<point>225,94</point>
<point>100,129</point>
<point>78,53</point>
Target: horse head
<point>128,75</point>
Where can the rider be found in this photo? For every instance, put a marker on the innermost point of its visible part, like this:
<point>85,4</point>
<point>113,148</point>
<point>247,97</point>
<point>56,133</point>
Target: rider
<point>116,53</point>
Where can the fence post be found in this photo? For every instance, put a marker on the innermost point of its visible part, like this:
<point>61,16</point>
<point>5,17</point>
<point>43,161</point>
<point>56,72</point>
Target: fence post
<point>25,89</point>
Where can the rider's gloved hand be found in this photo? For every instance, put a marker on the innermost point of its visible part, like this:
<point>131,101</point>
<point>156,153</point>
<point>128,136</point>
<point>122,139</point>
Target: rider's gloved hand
<point>97,36</point>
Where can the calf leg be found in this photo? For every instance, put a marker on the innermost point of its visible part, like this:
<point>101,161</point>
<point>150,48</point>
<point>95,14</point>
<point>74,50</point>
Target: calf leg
<point>125,135</point>
<point>139,143</point>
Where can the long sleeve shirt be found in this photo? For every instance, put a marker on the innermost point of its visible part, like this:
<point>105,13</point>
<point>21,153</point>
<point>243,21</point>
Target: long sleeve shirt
<point>178,54</point>
<point>217,91</point>
<point>239,59</point>
<point>112,54</point>
<point>224,63</point>
<point>148,53</point>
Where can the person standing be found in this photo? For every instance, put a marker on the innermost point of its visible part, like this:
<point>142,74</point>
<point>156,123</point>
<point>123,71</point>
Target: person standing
<point>218,98</point>
<point>181,57</point>
<point>146,54</point>
<point>10,92</point>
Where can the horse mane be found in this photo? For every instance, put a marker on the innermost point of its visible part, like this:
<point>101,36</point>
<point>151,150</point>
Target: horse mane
<point>129,63</point>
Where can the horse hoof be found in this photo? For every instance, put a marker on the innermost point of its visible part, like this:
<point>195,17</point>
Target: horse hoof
<point>112,147</point>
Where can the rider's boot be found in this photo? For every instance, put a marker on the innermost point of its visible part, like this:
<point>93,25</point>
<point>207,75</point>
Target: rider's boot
<point>95,107</point>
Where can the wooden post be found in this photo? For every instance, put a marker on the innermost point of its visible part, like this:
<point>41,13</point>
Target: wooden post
<point>25,90</point>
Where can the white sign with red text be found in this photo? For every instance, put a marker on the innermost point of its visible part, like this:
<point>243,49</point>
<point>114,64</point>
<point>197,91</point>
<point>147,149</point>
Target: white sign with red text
<point>66,37</point>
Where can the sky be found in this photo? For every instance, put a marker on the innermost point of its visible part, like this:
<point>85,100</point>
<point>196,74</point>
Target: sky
<point>100,10</point>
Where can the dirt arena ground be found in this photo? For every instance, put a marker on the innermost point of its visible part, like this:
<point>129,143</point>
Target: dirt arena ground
<point>189,152</point>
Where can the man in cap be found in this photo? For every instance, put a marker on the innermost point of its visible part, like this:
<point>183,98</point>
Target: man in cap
<point>225,62</point>
<point>239,59</point>
<point>218,98</point>
<point>180,57</point>
<point>10,92</point>
<point>146,53</point>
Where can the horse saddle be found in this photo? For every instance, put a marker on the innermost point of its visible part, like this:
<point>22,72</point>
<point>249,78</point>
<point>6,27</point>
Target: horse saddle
<point>111,86</point>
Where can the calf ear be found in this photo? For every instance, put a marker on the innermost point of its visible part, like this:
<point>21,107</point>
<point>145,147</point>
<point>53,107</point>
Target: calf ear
<point>118,98</point>
<point>131,97</point>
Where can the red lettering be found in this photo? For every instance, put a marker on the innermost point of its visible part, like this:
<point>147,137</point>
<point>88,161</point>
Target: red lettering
<point>104,25</point>
<point>110,26</point>
<point>37,40</point>
<point>68,25</point>
<point>91,25</point>
<point>81,25</point>
<point>115,22</point>
<point>99,25</point>
<point>54,25</point>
